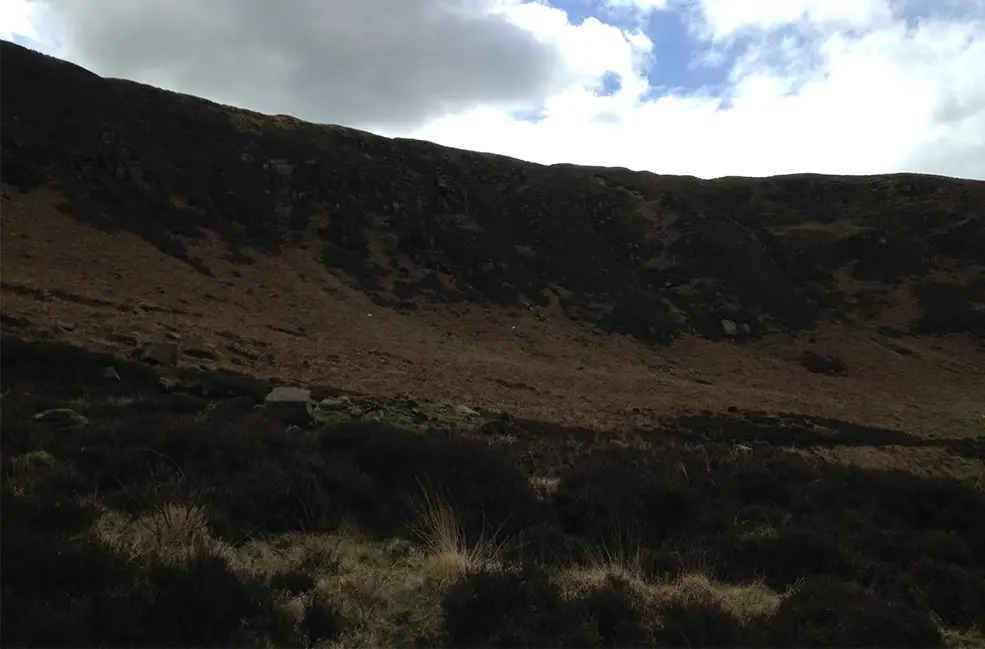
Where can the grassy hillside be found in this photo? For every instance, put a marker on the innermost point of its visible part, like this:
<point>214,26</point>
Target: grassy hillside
<point>546,406</point>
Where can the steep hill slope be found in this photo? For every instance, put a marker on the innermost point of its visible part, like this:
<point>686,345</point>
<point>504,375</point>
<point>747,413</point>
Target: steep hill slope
<point>323,254</point>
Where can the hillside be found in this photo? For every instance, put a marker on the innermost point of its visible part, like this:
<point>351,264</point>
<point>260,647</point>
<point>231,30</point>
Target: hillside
<point>231,220</point>
<point>789,369</point>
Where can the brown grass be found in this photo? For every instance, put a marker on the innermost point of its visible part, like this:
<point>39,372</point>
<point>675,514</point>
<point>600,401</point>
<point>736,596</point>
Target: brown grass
<point>576,377</point>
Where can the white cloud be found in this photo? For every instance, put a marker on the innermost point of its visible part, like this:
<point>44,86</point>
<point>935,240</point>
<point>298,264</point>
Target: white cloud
<point>830,86</point>
<point>725,17</point>
<point>22,18</point>
<point>866,100</point>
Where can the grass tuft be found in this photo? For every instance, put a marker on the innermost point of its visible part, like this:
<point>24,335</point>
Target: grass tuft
<point>450,554</point>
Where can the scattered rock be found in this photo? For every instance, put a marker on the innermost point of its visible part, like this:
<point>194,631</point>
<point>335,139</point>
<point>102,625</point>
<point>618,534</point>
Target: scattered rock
<point>333,402</point>
<point>745,331</point>
<point>821,364</point>
<point>63,418</point>
<point>201,354</point>
<point>299,331</point>
<point>124,339</point>
<point>12,321</point>
<point>66,325</point>
<point>730,329</point>
<point>134,306</point>
<point>491,413</point>
<point>161,353</point>
<point>167,384</point>
<point>172,335</point>
<point>465,411</point>
<point>243,352</point>
<point>289,405</point>
<point>109,372</point>
<point>400,411</point>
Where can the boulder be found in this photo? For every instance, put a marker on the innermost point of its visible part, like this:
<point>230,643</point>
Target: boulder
<point>63,418</point>
<point>745,331</point>
<point>168,384</point>
<point>821,364</point>
<point>289,405</point>
<point>729,328</point>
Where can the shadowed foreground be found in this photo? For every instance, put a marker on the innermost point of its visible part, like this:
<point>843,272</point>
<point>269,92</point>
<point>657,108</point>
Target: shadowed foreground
<point>177,520</point>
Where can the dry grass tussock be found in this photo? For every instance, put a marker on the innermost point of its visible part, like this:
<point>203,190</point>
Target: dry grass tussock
<point>450,555</point>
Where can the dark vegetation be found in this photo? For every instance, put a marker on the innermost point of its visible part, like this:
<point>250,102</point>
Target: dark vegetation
<point>887,555</point>
<point>451,226</point>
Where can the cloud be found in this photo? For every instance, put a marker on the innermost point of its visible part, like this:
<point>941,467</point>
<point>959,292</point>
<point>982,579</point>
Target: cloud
<point>726,17</point>
<point>815,90</point>
<point>380,63</point>
<point>829,86</point>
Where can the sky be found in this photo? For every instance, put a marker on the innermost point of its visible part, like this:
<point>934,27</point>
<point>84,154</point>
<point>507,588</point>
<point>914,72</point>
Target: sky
<point>707,88</point>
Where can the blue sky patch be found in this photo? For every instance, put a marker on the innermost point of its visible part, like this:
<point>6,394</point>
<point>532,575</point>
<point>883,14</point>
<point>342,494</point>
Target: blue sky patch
<point>678,63</point>
<point>611,83</point>
<point>531,115</point>
<point>25,41</point>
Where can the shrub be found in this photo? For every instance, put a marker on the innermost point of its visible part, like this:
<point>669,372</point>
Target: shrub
<point>615,491</point>
<point>825,612</point>
<point>200,602</point>
<point>698,623</point>
<point>616,613</point>
<point>322,619</point>
<point>482,484</point>
<point>510,609</point>
<point>955,593</point>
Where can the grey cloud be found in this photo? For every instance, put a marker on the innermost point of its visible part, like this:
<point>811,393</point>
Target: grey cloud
<point>954,109</point>
<point>378,64</point>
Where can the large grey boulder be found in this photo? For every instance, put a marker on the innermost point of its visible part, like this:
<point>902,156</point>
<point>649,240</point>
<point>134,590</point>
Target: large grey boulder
<point>289,405</point>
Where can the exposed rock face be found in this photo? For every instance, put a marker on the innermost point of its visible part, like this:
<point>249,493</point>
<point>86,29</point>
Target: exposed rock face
<point>653,256</point>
